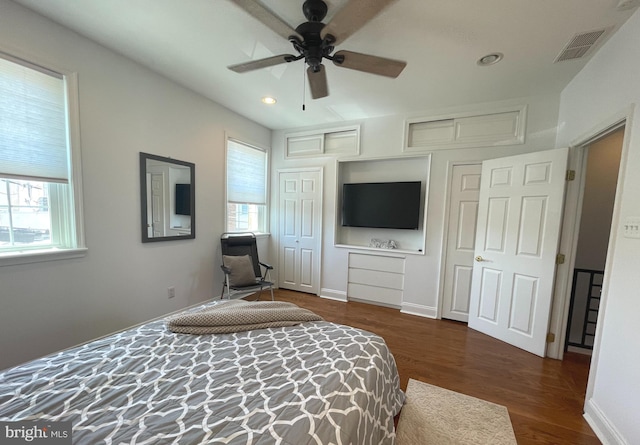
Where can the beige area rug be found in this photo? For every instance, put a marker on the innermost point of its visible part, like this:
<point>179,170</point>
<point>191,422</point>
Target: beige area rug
<point>434,415</point>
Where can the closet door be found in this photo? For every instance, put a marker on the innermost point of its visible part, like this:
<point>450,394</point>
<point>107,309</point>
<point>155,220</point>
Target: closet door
<point>461,240</point>
<point>300,220</point>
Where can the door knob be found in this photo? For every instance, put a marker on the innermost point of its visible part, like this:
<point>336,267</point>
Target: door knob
<point>479,258</point>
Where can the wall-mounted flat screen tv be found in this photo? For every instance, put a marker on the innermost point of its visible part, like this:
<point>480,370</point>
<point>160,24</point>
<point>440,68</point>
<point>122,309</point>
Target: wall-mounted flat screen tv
<point>183,199</point>
<point>386,205</point>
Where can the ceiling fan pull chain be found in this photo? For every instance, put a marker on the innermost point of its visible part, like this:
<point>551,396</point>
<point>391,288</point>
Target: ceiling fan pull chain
<point>304,84</point>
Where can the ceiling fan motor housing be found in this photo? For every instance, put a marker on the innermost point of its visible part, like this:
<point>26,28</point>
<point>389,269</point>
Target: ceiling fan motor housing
<point>314,10</point>
<point>314,48</point>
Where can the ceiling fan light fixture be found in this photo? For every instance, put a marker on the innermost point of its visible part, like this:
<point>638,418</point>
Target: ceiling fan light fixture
<point>490,59</point>
<point>269,100</point>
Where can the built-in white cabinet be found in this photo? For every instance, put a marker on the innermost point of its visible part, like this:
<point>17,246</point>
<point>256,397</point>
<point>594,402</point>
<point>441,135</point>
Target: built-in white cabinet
<point>375,278</point>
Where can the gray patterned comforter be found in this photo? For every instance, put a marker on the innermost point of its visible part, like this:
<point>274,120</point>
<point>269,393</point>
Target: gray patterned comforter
<point>315,383</point>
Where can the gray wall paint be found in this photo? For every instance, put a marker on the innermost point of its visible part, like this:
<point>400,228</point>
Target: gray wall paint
<point>603,163</point>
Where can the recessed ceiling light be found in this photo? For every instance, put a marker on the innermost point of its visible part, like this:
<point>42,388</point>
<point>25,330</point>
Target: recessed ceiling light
<point>490,59</point>
<point>269,100</point>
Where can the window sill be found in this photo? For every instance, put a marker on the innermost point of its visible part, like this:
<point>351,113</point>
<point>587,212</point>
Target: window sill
<point>37,256</point>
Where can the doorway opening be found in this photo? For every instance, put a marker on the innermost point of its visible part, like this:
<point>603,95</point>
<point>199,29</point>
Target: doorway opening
<point>600,177</point>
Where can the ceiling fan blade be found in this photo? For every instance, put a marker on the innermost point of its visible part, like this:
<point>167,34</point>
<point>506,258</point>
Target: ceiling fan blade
<point>318,82</point>
<point>261,63</point>
<point>353,16</point>
<point>369,64</point>
<point>268,18</point>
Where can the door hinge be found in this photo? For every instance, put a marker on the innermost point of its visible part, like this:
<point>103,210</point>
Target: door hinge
<point>560,258</point>
<point>551,337</point>
<point>571,175</point>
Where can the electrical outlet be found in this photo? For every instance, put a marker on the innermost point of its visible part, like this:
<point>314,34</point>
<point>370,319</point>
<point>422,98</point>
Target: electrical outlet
<point>171,291</point>
<point>631,227</point>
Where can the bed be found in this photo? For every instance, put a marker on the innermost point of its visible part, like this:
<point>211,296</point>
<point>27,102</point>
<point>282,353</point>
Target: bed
<point>314,383</point>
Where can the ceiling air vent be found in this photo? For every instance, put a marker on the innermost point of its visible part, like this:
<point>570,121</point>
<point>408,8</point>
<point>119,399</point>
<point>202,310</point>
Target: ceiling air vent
<point>580,44</point>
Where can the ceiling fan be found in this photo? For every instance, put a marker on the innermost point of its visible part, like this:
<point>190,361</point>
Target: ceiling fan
<point>315,41</point>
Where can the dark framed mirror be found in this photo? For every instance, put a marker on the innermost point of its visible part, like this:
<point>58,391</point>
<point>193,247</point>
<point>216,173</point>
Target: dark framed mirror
<point>168,198</point>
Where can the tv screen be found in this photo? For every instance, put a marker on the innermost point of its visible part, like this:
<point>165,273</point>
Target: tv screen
<point>386,205</point>
<point>183,199</point>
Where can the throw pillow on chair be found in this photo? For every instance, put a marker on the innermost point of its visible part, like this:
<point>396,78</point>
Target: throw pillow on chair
<point>242,273</point>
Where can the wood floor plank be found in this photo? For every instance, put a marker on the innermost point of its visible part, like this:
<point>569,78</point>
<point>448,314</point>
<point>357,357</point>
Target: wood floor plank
<point>544,397</point>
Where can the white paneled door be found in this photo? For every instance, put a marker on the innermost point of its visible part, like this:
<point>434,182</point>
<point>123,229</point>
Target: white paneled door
<point>300,207</point>
<point>518,230</point>
<point>461,240</point>
<point>157,204</point>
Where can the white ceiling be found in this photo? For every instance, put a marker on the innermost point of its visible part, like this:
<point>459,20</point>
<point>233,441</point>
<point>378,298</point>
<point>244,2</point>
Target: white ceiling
<point>193,41</point>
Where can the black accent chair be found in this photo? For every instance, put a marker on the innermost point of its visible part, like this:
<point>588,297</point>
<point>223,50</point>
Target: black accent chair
<point>242,267</point>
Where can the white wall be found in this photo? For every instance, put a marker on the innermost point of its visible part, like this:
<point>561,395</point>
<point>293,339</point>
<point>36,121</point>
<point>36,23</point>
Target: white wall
<point>124,109</point>
<point>383,137</point>
<point>608,87</point>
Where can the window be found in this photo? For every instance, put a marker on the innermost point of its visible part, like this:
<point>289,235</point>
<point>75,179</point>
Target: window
<point>246,188</point>
<point>39,173</point>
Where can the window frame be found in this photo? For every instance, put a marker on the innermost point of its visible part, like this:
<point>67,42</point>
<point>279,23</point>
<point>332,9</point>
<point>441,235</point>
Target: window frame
<point>70,205</point>
<point>263,230</point>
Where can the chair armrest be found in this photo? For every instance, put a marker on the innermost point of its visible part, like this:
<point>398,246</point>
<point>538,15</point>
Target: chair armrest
<point>266,266</point>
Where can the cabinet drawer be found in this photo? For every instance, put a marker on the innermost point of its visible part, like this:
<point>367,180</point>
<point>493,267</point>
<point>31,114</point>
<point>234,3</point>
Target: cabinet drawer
<point>390,297</point>
<point>376,278</point>
<point>376,262</point>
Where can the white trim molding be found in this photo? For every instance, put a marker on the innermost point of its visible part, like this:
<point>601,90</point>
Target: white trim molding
<point>37,256</point>
<point>419,310</point>
<point>332,294</point>
<point>604,429</point>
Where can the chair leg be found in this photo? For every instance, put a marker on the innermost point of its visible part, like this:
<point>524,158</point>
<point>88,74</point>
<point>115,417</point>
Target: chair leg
<point>271,289</point>
<point>228,286</point>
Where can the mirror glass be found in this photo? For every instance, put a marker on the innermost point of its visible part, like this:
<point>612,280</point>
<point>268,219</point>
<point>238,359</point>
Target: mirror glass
<point>167,192</point>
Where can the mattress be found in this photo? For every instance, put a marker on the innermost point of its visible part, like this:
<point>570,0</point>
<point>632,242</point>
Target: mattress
<point>315,383</point>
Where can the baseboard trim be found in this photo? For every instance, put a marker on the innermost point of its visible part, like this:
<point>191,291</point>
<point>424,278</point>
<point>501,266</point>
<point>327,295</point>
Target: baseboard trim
<point>601,425</point>
<point>375,303</point>
<point>419,310</point>
<point>332,294</point>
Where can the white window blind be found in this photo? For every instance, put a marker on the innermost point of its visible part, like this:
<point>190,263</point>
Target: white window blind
<point>246,174</point>
<point>33,123</point>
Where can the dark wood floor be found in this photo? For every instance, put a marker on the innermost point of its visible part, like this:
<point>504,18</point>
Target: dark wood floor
<point>544,396</point>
